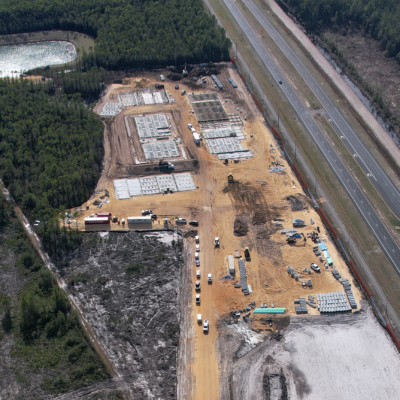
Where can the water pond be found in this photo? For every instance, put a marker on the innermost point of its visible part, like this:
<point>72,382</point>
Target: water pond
<point>16,59</point>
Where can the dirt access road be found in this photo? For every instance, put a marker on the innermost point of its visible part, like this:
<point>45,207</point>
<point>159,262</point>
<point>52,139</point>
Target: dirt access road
<point>254,200</point>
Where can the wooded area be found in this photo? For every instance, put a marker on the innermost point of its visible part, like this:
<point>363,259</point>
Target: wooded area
<point>51,351</point>
<point>129,33</point>
<point>51,148</point>
<point>378,18</point>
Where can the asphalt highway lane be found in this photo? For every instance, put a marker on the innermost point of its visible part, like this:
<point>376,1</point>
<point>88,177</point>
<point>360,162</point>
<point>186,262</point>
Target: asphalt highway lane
<point>368,213</point>
<point>365,160</point>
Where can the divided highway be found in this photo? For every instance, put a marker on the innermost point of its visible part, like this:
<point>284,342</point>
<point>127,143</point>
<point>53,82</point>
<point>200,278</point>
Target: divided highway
<point>366,161</point>
<point>368,213</point>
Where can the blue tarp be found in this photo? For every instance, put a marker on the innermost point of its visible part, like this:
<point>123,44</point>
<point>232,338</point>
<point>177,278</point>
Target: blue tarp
<point>322,246</point>
<point>326,254</point>
<point>329,260</point>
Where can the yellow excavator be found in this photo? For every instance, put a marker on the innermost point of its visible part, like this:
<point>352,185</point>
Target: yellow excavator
<point>230,178</point>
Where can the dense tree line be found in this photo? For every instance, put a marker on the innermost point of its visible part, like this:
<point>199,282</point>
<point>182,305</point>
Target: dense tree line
<point>380,19</point>
<point>40,318</point>
<point>129,33</point>
<point>51,149</point>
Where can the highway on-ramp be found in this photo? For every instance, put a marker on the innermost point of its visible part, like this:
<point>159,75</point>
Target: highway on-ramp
<point>368,213</point>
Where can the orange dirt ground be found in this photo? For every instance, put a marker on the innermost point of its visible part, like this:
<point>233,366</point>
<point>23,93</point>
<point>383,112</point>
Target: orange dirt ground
<point>215,204</point>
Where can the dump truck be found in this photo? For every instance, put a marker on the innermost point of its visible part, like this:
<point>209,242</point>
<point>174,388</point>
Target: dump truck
<point>165,165</point>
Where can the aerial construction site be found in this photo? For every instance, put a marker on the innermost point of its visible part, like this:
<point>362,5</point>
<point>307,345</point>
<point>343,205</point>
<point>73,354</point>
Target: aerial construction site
<point>269,308</point>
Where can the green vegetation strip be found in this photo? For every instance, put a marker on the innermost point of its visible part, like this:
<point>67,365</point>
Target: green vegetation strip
<point>47,338</point>
<point>128,34</point>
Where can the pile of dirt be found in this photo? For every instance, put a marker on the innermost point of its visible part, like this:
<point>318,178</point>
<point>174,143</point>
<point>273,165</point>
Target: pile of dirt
<point>296,202</point>
<point>240,226</point>
<point>192,233</point>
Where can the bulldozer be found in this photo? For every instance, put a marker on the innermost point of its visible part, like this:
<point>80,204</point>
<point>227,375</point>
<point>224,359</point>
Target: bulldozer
<point>230,178</point>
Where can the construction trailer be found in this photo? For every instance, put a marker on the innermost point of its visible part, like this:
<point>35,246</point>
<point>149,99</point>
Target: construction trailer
<point>97,220</point>
<point>104,215</point>
<point>231,264</point>
<point>142,219</point>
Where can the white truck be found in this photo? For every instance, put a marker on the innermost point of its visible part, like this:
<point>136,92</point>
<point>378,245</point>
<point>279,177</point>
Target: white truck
<point>196,138</point>
<point>197,248</point>
<point>216,242</point>
<point>231,264</point>
<point>199,319</point>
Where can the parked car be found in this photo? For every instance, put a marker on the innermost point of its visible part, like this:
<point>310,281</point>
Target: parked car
<point>205,326</point>
<point>197,299</point>
<point>197,263</point>
<point>199,319</point>
<point>197,285</point>
<point>190,126</point>
<point>181,221</point>
<point>176,86</point>
<point>209,278</point>
<point>162,77</point>
<point>315,267</point>
<point>147,212</point>
<point>198,274</point>
<point>194,223</point>
<point>153,216</point>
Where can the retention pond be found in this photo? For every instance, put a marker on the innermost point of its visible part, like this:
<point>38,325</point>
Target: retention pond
<point>17,59</point>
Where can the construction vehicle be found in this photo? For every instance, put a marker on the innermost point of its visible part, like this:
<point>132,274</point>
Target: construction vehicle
<point>216,242</point>
<point>247,254</point>
<point>291,240</point>
<point>165,166</point>
<point>230,178</point>
<point>226,161</point>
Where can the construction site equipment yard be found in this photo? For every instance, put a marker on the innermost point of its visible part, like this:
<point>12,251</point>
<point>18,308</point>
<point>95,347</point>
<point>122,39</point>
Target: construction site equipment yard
<point>300,357</point>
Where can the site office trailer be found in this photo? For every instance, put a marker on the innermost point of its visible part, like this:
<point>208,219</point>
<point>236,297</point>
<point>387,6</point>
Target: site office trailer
<point>97,220</point>
<point>139,220</point>
<point>104,215</point>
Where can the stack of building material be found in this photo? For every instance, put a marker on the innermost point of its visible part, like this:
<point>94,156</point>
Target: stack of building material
<point>269,310</point>
<point>283,231</point>
<point>351,298</point>
<point>302,308</point>
<point>333,302</point>
<point>299,222</point>
<point>243,277</point>
<point>336,274</point>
